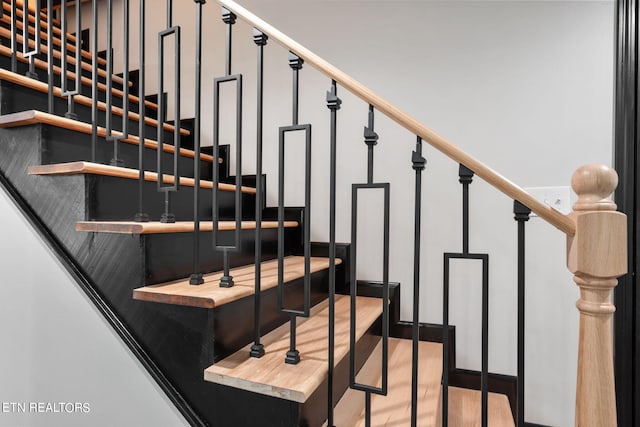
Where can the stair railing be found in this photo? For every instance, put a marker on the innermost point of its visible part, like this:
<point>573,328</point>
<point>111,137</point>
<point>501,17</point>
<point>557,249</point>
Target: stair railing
<point>596,233</point>
<point>596,253</point>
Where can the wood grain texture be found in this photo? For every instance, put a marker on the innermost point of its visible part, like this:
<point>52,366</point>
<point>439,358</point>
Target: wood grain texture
<point>597,256</point>
<point>76,168</point>
<point>211,295</point>
<point>80,99</point>
<point>32,117</point>
<point>465,409</point>
<point>554,217</point>
<point>155,227</point>
<point>269,375</point>
<point>394,409</point>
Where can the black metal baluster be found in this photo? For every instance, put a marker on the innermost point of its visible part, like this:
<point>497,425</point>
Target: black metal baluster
<point>64,63</point>
<point>14,36</point>
<point>125,73</point>
<point>141,216</point>
<point>293,355</point>
<point>257,349</point>
<point>445,343</point>
<point>485,343</point>
<point>115,161</point>
<point>521,215</point>
<point>94,79</point>
<point>333,103</point>
<point>26,38</point>
<point>197,277</point>
<point>226,281</point>
<point>371,140</point>
<point>167,216</point>
<point>50,58</point>
<point>418,164</point>
<point>465,178</point>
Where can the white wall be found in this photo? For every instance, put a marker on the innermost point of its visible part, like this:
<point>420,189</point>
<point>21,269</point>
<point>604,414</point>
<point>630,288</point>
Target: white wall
<point>526,86</point>
<point>56,347</point>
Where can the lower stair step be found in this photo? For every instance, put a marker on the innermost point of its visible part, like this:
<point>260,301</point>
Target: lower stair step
<point>464,408</point>
<point>394,409</point>
<point>211,295</point>
<point>270,376</point>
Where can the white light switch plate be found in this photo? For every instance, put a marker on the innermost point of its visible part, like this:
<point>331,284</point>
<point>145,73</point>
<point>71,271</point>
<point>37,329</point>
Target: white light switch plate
<point>558,198</point>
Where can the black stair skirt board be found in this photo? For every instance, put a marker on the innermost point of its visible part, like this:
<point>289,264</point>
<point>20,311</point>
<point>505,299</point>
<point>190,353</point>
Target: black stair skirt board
<point>123,329</point>
<point>15,98</point>
<point>59,145</point>
<point>113,199</point>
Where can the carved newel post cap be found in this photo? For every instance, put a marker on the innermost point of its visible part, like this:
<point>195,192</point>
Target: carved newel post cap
<point>594,184</point>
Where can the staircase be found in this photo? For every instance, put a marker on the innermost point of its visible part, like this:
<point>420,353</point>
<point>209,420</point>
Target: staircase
<point>235,312</point>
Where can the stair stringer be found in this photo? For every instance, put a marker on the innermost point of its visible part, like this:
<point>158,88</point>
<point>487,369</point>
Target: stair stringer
<point>172,343</point>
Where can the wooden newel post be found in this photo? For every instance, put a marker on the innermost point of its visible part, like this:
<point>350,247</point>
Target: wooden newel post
<point>597,256</point>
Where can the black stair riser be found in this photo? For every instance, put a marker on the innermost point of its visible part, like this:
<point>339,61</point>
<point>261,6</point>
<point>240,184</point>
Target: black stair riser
<point>113,199</point>
<point>234,332</point>
<point>169,256</point>
<point>15,98</point>
<point>85,90</point>
<point>57,62</point>
<point>61,145</point>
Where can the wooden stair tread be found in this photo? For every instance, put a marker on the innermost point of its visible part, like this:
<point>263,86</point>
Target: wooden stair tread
<point>79,99</point>
<point>156,227</point>
<point>464,408</point>
<point>269,375</point>
<point>42,65</point>
<point>79,168</point>
<point>211,295</point>
<point>30,117</point>
<point>395,408</point>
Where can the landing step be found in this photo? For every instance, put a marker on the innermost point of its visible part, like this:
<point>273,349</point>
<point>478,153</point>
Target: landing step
<point>31,117</point>
<point>79,168</point>
<point>270,376</point>
<point>464,408</point>
<point>394,409</point>
<point>43,87</point>
<point>155,227</point>
<point>211,295</point>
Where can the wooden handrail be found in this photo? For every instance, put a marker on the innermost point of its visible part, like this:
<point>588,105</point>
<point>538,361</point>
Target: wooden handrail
<point>554,217</point>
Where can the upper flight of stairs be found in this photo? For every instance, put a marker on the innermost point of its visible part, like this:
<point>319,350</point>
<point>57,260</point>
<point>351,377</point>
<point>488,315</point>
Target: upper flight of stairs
<point>195,339</point>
